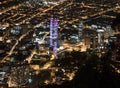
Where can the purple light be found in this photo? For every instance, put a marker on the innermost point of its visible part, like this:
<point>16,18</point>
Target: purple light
<point>54,34</point>
<point>55,47</point>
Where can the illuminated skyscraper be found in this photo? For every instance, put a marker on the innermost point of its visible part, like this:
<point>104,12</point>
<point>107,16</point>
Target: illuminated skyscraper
<point>54,34</point>
<point>80,30</point>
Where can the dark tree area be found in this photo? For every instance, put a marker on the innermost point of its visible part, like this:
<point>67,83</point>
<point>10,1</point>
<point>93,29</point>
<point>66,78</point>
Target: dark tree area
<point>116,23</point>
<point>94,73</point>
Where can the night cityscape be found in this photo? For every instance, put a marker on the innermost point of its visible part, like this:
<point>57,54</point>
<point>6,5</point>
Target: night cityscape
<point>59,43</point>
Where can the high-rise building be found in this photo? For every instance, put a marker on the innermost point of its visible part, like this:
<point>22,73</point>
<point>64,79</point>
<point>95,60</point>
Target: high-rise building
<point>80,30</point>
<point>54,34</point>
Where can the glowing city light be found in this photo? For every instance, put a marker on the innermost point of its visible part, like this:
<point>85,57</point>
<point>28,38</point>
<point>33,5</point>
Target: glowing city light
<point>54,34</point>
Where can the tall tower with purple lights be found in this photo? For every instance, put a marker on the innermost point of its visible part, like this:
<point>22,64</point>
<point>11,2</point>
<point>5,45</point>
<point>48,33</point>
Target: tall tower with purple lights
<point>54,34</point>
<point>80,35</point>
